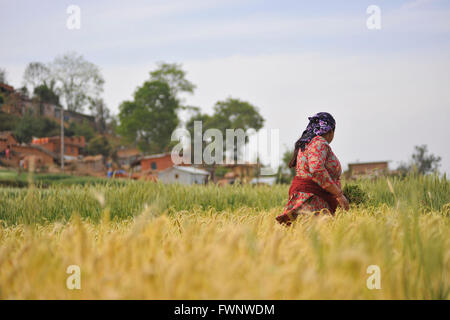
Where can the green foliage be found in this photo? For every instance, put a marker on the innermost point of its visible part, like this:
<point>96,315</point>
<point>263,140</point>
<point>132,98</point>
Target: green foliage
<point>421,162</point>
<point>76,129</point>
<point>221,171</point>
<point>101,113</point>
<point>99,145</point>
<point>236,114</point>
<point>287,156</point>
<point>46,94</point>
<point>174,76</point>
<point>354,194</point>
<point>421,194</point>
<point>8,121</point>
<point>14,179</point>
<point>30,126</point>
<point>229,114</point>
<point>151,118</point>
<point>3,76</point>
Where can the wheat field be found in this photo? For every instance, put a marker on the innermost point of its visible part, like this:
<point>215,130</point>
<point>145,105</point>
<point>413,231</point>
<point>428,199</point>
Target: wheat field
<point>151,241</point>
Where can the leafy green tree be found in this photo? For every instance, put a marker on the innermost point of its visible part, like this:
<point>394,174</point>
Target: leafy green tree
<point>99,145</point>
<point>30,126</point>
<point>8,122</point>
<point>80,129</point>
<point>421,161</point>
<point>150,118</point>
<point>229,114</point>
<point>3,76</point>
<point>174,76</point>
<point>424,162</point>
<point>287,156</point>
<point>46,94</point>
<point>101,113</point>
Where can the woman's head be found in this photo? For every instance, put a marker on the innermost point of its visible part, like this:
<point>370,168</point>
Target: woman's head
<point>320,124</point>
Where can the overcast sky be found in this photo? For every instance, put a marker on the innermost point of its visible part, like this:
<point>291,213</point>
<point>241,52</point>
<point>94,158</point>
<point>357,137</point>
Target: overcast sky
<point>388,89</point>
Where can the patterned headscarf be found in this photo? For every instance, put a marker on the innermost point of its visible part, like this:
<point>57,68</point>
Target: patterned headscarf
<point>319,124</point>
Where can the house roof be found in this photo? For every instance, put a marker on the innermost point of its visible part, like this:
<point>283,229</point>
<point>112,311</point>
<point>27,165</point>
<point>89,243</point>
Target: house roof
<point>366,163</point>
<point>154,156</point>
<point>6,87</point>
<point>97,157</point>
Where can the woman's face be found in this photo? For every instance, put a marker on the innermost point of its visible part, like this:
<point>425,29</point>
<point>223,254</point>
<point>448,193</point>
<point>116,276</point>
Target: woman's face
<point>329,136</point>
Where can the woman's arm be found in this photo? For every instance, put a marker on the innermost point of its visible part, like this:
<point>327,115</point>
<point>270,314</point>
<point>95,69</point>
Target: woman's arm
<point>337,192</point>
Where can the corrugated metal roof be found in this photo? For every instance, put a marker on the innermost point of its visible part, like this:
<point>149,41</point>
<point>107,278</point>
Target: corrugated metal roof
<point>191,170</point>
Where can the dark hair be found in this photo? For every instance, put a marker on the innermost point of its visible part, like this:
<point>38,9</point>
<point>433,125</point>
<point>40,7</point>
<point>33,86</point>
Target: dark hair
<point>319,124</point>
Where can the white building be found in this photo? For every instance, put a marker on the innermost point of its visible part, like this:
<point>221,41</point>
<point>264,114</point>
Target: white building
<point>183,175</point>
<point>264,180</point>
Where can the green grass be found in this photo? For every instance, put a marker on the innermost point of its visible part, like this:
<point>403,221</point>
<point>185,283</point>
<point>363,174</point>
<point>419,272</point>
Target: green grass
<point>125,199</point>
<point>45,180</point>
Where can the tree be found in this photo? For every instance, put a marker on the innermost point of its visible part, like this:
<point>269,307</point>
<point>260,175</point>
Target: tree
<point>424,162</point>
<point>8,122</point>
<point>421,161</point>
<point>151,118</point>
<point>84,129</point>
<point>100,112</point>
<point>3,76</point>
<point>287,156</point>
<point>37,74</point>
<point>174,76</point>
<point>99,145</point>
<point>69,76</point>
<point>76,80</point>
<point>46,94</point>
<point>29,127</point>
<point>229,114</point>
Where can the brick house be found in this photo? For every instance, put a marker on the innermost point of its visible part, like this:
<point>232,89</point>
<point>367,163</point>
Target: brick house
<point>11,101</point>
<point>74,116</point>
<point>29,153</point>
<point>367,168</point>
<point>6,139</point>
<point>156,162</point>
<point>72,145</point>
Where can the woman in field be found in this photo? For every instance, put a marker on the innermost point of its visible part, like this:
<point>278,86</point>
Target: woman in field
<point>316,186</point>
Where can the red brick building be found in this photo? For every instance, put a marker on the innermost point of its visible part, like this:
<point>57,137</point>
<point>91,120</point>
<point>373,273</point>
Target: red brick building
<point>72,145</point>
<point>6,139</point>
<point>156,162</point>
<point>368,168</point>
<point>29,153</point>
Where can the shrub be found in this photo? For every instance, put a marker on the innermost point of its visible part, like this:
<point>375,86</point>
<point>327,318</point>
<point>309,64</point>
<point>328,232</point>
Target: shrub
<point>355,194</point>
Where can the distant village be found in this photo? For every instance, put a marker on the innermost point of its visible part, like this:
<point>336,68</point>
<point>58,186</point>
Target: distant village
<point>43,154</point>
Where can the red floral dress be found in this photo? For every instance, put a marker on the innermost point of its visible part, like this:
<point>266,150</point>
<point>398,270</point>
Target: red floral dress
<point>319,163</point>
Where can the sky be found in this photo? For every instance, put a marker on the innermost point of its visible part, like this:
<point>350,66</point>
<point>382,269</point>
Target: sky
<point>387,88</point>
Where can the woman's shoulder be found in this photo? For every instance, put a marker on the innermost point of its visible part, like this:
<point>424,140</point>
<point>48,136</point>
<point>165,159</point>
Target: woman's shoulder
<point>318,141</point>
